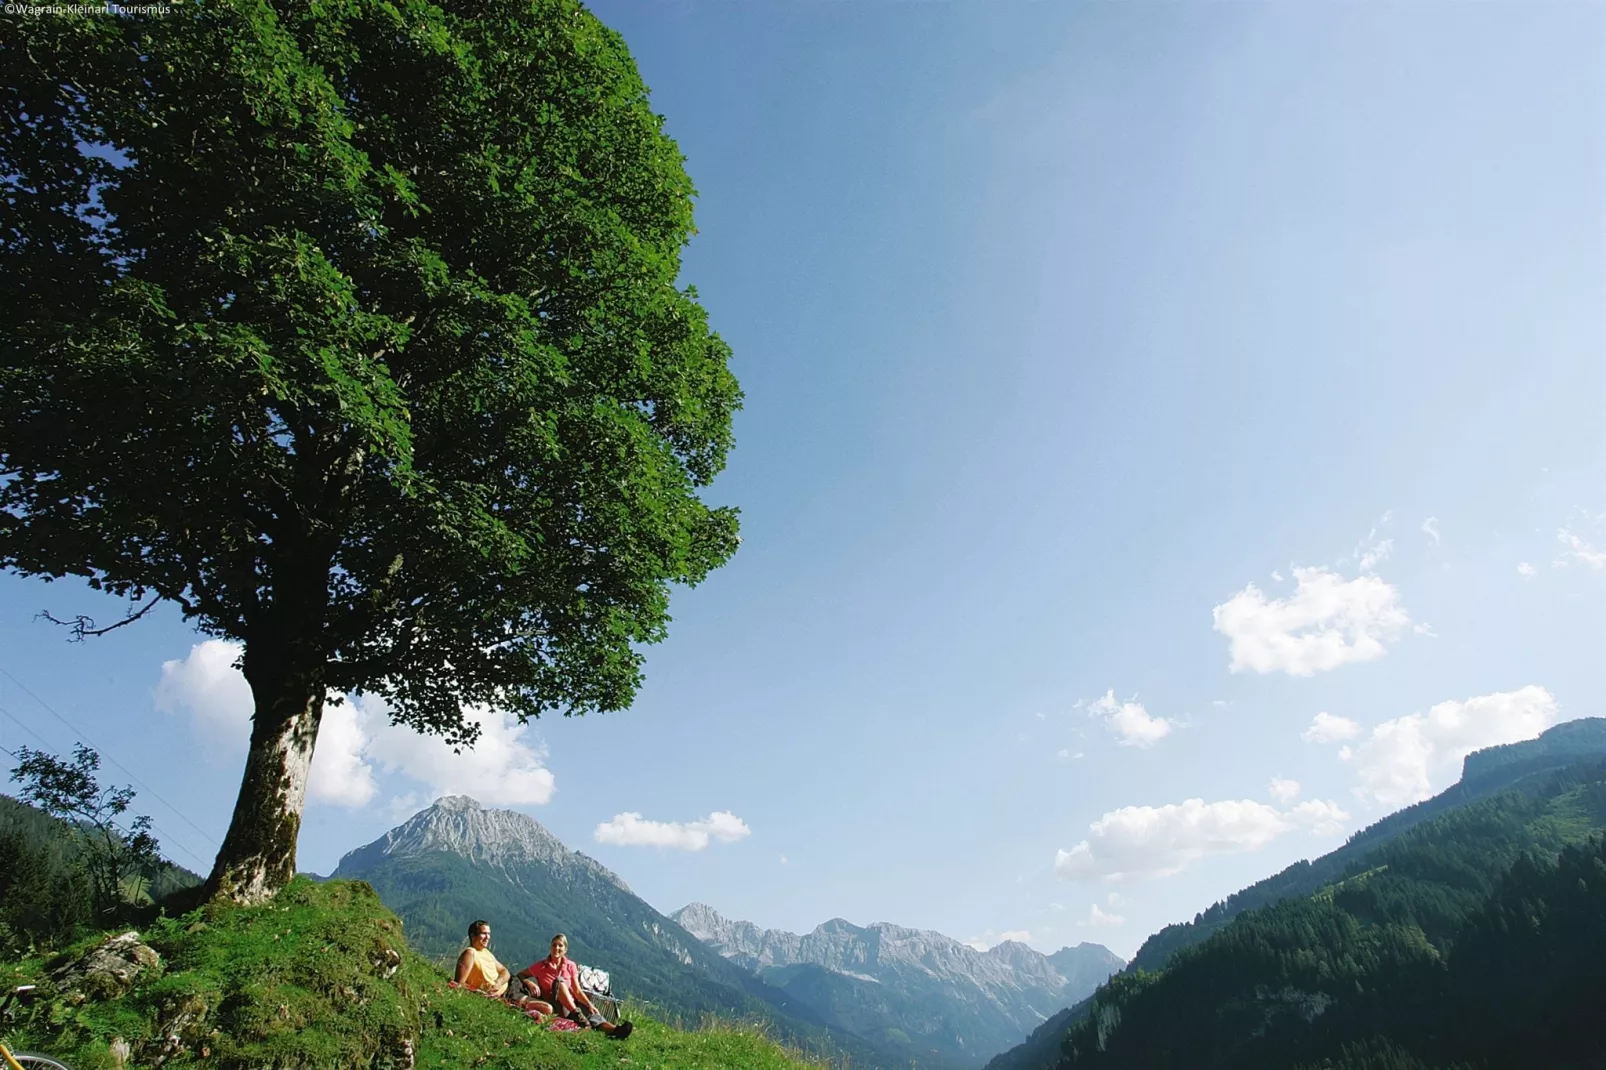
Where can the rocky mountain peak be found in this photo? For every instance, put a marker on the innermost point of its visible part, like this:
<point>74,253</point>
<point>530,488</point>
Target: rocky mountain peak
<point>457,802</point>
<point>459,825</point>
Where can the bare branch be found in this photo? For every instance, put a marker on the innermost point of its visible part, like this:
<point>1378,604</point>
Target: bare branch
<point>83,626</point>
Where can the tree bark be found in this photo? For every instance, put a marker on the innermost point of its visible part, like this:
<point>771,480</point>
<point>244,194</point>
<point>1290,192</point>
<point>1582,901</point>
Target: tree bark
<point>259,853</point>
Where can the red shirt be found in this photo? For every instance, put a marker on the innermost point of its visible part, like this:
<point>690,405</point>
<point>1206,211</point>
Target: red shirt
<point>546,974</point>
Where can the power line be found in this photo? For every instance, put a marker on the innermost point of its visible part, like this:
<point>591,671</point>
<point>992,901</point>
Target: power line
<point>24,727</point>
<point>128,772</point>
<point>166,837</point>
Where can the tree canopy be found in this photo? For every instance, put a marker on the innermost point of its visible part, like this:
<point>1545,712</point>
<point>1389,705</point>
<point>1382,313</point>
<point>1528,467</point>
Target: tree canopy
<point>354,329</point>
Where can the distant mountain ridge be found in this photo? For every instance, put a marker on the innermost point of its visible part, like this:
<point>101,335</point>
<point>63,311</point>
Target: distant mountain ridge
<point>966,1003</point>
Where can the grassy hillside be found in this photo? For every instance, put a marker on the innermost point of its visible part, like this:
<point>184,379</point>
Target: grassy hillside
<point>306,981</point>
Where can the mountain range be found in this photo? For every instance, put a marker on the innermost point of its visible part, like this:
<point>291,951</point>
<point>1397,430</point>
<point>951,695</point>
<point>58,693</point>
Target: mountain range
<point>881,995</point>
<point>894,985</point>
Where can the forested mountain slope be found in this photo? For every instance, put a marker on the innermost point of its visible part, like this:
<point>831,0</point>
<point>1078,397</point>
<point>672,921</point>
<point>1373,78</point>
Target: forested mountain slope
<point>1483,773</point>
<point>1526,769</point>
<point>1476,938</point>
<point>44,896</point>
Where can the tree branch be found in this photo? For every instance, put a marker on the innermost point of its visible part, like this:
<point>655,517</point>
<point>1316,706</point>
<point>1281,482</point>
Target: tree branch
<point>85,626</point>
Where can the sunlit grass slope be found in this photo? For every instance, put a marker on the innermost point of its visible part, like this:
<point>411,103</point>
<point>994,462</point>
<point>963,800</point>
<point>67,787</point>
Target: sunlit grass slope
<point>302,981</point>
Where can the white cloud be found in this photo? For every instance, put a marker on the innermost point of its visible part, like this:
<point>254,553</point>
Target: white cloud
<point>1321,817</point>
<point>1374,554</point>
<point>1325,728</point>
<point>1372,551</point>
<point>1130,721</point>
<point>339,774</point>
<point>1403,759</point>
<point>1276,576</point>
<point>1157,841</point>
<point>504,767</point>
<point>1327,622</point>
<point>1284,791</point>
<point>1097,917</point>
<point>975,945</point>
<point>1525,569</point>
<point>1020,936</point>
<point>1220,703</point>
<point>354,737</point>
<point>1579,550</point>
<point>1430,528</point>
<point>633,830</point>
<point>206,685</point>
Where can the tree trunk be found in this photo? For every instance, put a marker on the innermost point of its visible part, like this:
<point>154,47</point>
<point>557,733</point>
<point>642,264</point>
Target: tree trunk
<point>259,852</point>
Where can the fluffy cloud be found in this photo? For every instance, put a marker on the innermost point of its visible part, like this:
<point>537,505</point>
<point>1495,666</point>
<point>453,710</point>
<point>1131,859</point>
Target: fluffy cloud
<point>1284,791</point>
<point>1130,721</point>
<point>1526,570</point>
<point>1097,917</point>
<point>1404,758</point>
<point>504,768</point>
<point>1577,549</point>
<point>355,737</point>
<point>205,685</point>
<point>1327,622</point>
<point>339,774</point>
<point>1325,728</point>
<point>1430,528</point>
<point>1157,841</point>
<point>633,830</point>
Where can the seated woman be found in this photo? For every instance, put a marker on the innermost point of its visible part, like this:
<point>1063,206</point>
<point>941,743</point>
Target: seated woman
<point>477,968</point>
<point>557,980</point>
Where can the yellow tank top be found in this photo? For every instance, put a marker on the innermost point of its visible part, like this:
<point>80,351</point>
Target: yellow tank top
<point>482,970</point>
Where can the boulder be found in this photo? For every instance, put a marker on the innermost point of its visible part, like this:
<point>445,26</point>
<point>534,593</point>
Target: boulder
<point>107,970</point>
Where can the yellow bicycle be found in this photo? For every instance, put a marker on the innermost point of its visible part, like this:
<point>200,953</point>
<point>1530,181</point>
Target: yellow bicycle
<point>23,1060</point>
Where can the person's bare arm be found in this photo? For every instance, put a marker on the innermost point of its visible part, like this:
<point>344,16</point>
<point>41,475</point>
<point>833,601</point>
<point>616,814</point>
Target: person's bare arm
<point>580,997</point>
<point>464,961</point>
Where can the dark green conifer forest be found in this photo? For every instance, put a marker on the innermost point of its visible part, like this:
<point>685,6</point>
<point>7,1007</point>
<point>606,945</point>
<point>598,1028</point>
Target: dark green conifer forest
<point>1475,939</point>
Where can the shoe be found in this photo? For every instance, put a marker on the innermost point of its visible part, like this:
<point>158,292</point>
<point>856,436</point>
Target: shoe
<point>622,1030</point>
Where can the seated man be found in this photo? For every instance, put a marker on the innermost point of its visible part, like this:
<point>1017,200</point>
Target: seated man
<point>477,968</point>
<point>557,980</point>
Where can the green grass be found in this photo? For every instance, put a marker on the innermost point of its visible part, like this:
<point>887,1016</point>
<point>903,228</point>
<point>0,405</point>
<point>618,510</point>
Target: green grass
<point>293,984</point>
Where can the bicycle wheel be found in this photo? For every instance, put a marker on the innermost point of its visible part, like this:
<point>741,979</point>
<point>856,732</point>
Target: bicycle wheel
<point>37,1062</point>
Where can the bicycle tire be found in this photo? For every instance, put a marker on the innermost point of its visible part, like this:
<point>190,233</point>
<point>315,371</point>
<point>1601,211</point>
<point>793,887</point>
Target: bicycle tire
<point>37,1061</point>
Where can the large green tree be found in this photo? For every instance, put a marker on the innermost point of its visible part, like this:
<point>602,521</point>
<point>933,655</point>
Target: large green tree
<point>353,328</point>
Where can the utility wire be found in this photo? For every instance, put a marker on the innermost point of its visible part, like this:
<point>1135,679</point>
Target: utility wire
<point>128,772</point>
<point>166,838</point>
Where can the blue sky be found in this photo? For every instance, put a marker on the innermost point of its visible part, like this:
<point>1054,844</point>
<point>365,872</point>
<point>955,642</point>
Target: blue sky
<point>1127,385</point>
